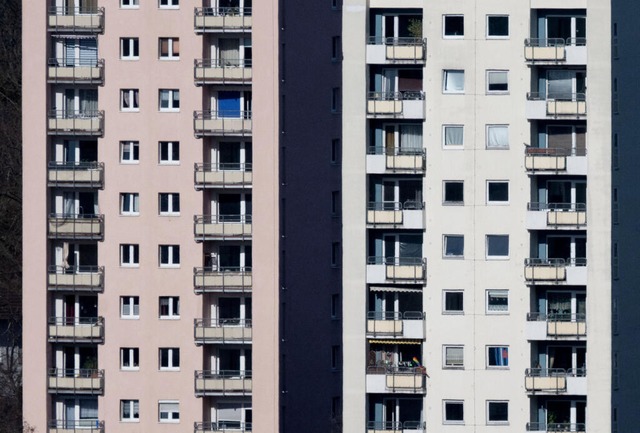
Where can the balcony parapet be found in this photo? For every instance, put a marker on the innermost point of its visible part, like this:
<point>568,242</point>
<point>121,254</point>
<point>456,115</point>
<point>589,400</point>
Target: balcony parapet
<point>402,105</point>
<point>77,71</point>
<point>76,226</point>
<point>542,216</point>
<point>222,19</point>
<point>76,278</point>
<point>382,50</point>
<point>409,324</point>
<point>555,271</point>
<point>224,175</point>
<point>570,51</point>
<point>78,381</point>
<point>76,19</point>
<point>408,214</point>
<point>76,174</point>
<point>76,329</point>
<point>555,160</point>
<point>212,227</point>
<point>223,382</point>
<point>76,426</point>
<point>222,427</point>
<point>76,122</point>
<point>559,325</point>
<point>224,280</point>
<point>223,123</point>
<point>381,160</point>
<point>563,105</point>
<point>233,330</point>
<point>553,380</point>
<point>407,270</point>
<point>395,427</point>
<point>557,427</point>
<point>222,71</point>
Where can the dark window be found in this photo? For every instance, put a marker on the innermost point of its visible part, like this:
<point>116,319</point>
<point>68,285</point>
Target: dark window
<point>498,26</point>
<point>454,192</point>
<point>454,25</point>
<point>453,302</point>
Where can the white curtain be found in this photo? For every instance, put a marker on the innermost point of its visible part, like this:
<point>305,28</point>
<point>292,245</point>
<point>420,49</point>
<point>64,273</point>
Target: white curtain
<point>89,409</point>
<point>411,137</point>
<point>453,135</point>
<point>498,136</point>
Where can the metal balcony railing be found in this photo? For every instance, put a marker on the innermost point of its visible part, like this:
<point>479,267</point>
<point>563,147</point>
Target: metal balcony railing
<point>222,227</point>
<point>226,122</point>
<point>401,159</point>
<point>404,49</point>
<point>227,330</point>
<point>224,279</point>
<point>76,19</point>
<point>572,325</point>
<point>90,381</point>
<point>390,213</point>
<point>223,175</point>
<point>401,268</point>
<point>78,122</point>
<point>76,278</point>
<point>562,104</point>
<point>389,323</point>
<point>236,382</point>
<point>549,49</point>
<point>81,71</point>
<point>76,329</point>
<point>76,226</point>
<point>222,426</point>
<point>76,426</point>
<point>224,19</point>
<point>222,71</point>
<point>562,214</point>
<point>76,174</point>
<point>556,427</point>
<point>552,270</point>
<point>396,426</point>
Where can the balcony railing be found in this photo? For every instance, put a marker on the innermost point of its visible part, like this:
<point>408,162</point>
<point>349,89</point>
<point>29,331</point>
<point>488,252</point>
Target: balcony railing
<point>222,19</point>
<point>401,269</point>
<point>390,323</point>
<point>76,19</point>
<point>223,175</point>
<point>400,50</point>
<point>550,50</point>
<point>562,104</point>
<point>561,214</point>
<point>222,71</point>
<point>85,381</point>
<point>550,379</point>
<point>231,122</point>
<point>232,279</point>
<point>76,226</point>
<point>76,329</point>
<point>206,227</point>
<point>378,426</point>
<point>222,330</point>
<point>550,270</point>
<point>222,427</point>
<point>392,213</point>
<point>76,278</point>
<point>554,427</point>
<point>76,122</point>
<point>76,174</point>
<point>549,159</point>
<point>76,426</point>
<point>223,382</point>
<point>399,159</point>
<point>562,324</point>
<point>407,104</point>
<point>79,71</point>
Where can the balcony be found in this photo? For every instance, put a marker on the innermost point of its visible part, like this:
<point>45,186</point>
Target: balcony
<point>220,71</point>
<point>539,160</point>
<point>76,278</point>
<point>396,50</point>
<point>76,122</point>
<point>221,227</point>
<point>76,174</point>
<point>556,381</point>
<point>566,326</point>
<point>207,331</point>
<point>76,226</point>
<point>556,271</point>
<point>224,382</point>
<point>396,427</point>
<point>409,324</point>
<point>572,51</point>
<point>225,175</point>
<point>222,427</point>
<point>397,270</point>
<point>76,426</point>
<point>382,160</point>
<point>75,71</point>
<point>78,381</point>
<point>547,216</point>
<point>76,329</point>
<point>76,19</point>
<point>387,379</point>
<point>226,280</point>
<point>222,19</point>
<point>218,123</point>
<point>407,215</point>
<point>570,105</point>
<point>557,427</point>
<point>396,105</point>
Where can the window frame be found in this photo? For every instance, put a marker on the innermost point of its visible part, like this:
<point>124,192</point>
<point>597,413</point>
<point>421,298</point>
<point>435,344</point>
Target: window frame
<point>491,126</point>
<point>132,302</point>
<point>134,148</point>
<point>172,254</point>
<point>497,202</point>
<point>487,247</point>
<point>132,403</point>
<point>496,367</point>
<point>173,304</point>
<point>445,90</point>
<point>134,250</point>
<point>446,292</point>
<point>173,98</point>
<point>133,201</point>
<point>445,364</point>
<point>489,36</point>
<point>490,72</point>
<point>445,238</point>
<point>446,202</point>
<point>170,359</point>
<point>132,353</point>
<point>134,48</point>
<point>444,26</point>
<point>171,198</point>
<point>444,137</point>
<point>445,403</point>
<point>172,416</point>
<point>172,41</point>
<point>170,4</point>
<point>134,97</point>
<point>490,311</point>
<point>132,4</point>
<point>488,414</point>
<point>173,148</point>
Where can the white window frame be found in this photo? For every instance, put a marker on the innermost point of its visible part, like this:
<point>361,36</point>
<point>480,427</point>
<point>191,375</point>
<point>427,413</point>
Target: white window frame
<point>171,43</point>
<point>491,72</point>
<point>445,237</point>
<point>450,365</point>
<point>132,200</point>
<point>130,354</point>
<point>498,367</point>
<point>169,211</point>
<point>173,305</point>
<point>444,26</point>
<point>499,422</point>
<point>489,36</point>
<point>495,257</point>
<point>172,93</point>
<point>134,94</point>
<point>488,133</point>
<point>134,147</point>
<point>173,147</point>
<point>444,412</point>
<point>132,412</point>
<point>134,249</point>
<point>445,292</point>
<point>169,4</point>
<point>488,294</point>
<point>444,137</point>
<point>133,304</point>
<point>497,202</point>
<point>169,366</point>
<point>131,42</point>
<point>445,89</point>
<point>168,411</point>
<point>444,193</point>
<point>129,4</point>
<point>172,261</point>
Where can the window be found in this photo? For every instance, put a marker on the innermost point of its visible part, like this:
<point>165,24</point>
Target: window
<point>129,410</point>
<point>335,306</point>
<point>129,203</point>
<point>497,82</point>
<point>453,301</point>
<point>453,412</point>
<point>452,136</point>
<point>497,412</point>
<point>129,255</point>
<point>168,411</point>
<point>129,48</point>
<point>169,99</point>
<point>169,256</point>
<point>497,136</point>
<point>453,26</point>
<point>169,48</point>
<point>129,100</point>
<point>335,151</point>
<point>335,357</point>
<point>335,254</point>
<point>497,192</point>
<point>129,307</point>
<point>497,356</point>
<point>336,4</point>
<point>497,26</point>
<point>169,358</point>
<point>497,246</point>
<point>453,192</point>
<point>169,203</point>
<point>129,152</point>
<point>129,358</point>
<point>497,301</point>
<point>453,81</point>
<point>336,100</point>
<point>169,4</point>
<point>169,152</point>
<point>453,246</point>
<point>335,203</point>
<point>336,51</point>
<point>129,4</point>
<point>169,307</point>
<point>453,357</point>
